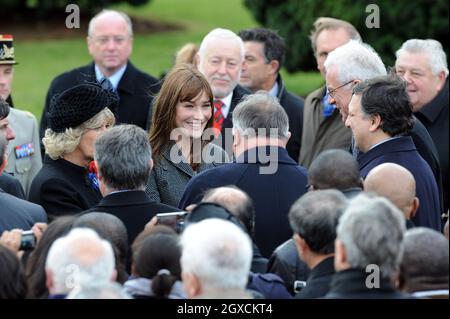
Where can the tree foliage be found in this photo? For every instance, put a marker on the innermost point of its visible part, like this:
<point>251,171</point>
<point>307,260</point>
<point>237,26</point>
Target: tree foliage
<point>44,8</point>
<point>399,21</point>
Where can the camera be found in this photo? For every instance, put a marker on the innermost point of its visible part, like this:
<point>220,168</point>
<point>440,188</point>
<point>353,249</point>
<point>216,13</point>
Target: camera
<point>175,220</point>
<point>299,285</point>
<point>28,241</point>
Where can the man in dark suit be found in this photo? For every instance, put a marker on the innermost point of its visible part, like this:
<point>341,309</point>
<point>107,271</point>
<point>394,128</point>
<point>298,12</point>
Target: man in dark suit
<point>369,241</point>
<point>110,41</point>
<point>314,218</point>
<point>423,65</point>
<point>220,59</point>
<point>263,169</point>
<point>15,212</point>
<point>264,57</point>
<point>123,158</point>
<point>380,117</point>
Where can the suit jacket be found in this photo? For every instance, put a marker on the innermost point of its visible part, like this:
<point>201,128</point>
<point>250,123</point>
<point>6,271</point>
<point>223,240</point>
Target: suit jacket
<point>273,192</point>
<point>293,105</point>
<point>18,213</point>
<point>225,140</point>
<point>24,168</point>
<point>435,117</point>
<point>351,284</point>
<point>62,188</point>
<point>319,133</point>
<point>168,178</point>
<point>135,89</point>
<point>286,263</point>
<point>134,208</point>
<point>11,185</point>
<point>403,152</point>
<point>319,280</point>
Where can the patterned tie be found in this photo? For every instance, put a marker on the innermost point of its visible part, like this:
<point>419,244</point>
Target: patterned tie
<point>218,117</point>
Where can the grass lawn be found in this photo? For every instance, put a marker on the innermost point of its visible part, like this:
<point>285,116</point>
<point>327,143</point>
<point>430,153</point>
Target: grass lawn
<point>40,61</point>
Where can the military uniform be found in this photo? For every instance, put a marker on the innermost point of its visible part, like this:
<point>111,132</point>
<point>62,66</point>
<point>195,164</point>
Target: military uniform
<point>24,159</point>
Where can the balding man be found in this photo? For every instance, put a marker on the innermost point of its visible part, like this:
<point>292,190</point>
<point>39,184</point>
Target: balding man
<point>322,126</point>
<point>110,43</point>
<point>397,184</point>
<point>220,59</point>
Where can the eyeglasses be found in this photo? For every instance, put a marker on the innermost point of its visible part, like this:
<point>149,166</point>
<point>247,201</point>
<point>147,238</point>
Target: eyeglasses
<point>333,91</point>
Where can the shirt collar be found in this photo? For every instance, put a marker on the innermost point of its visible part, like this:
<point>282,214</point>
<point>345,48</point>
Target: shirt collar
<point>115,78</point>
<point>274,90</point>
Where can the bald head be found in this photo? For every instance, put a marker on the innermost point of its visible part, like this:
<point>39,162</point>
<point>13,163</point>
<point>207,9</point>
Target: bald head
<point>236,201</point>
<point>395,183</point>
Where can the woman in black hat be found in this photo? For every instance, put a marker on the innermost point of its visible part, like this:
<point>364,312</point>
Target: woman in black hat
<point>77,117</point>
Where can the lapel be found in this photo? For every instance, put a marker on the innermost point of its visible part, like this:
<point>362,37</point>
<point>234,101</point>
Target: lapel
<point>182,166</point>
<point>127,82</point>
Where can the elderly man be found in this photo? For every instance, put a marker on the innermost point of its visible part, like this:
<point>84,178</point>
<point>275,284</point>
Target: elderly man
<point>322,126</point>
<point>110,42</point>
<point>380,117</point>
<point>397,184</point>
<point>24,160</point>
<point>264,57</point>
<point>262,169</point>
<point>220,59</point>
<point>367,250</point>
<point>423,65</point>
<point>215,260</point>
<point>355,62</point>
<point>80,259</point>
<point>424,266</point>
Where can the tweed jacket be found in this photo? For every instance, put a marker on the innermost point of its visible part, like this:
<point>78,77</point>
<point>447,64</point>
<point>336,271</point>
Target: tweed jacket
<point>169,177</point>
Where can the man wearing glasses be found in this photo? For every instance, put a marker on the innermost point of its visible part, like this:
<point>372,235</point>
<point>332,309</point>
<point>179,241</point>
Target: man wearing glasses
<point>110,42</point>
<point>322,125</point>
<point>353,63</point>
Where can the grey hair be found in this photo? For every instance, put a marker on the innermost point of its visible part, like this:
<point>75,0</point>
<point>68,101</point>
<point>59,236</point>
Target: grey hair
<point>371,229</point>
<point>82,259</point>
<point>58,144</point>
<point>421,264</point>
<point>223,34</point>
<point>111,13</point>
<point>261,113</point>
<point>110,290</point>
<point>123,155</point>
<point>218,252</point>
<point>355,61</point>
<point>437,59</point>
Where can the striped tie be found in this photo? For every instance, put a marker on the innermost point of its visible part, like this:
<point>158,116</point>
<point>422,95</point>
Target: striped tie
<point>218,117</point>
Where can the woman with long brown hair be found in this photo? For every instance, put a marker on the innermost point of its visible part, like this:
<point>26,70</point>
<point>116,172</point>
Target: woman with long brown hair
<point>181,134</point>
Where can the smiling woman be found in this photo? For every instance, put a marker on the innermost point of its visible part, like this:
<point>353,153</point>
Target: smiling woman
<point>180,134</point>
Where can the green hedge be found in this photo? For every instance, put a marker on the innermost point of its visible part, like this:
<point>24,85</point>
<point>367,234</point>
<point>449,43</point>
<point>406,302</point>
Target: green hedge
<point>399,20</point>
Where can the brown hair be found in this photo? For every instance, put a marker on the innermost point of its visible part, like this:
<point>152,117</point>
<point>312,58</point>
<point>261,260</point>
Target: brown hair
<point>182,83</point>
<point>326,23</point>
<point>186,54</point>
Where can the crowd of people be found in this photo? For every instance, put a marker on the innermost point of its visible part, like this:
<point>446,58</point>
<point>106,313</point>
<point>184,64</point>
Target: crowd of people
<point>217,182</point>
